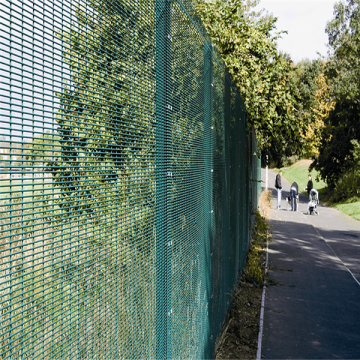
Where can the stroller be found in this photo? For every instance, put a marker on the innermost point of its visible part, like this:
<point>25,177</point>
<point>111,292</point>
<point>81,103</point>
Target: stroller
<point>313,202</point>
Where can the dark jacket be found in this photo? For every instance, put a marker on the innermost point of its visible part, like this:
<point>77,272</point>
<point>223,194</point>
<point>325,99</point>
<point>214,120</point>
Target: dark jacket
<point>309,186</point>
<point>295,185</point>
<point>278,182</point>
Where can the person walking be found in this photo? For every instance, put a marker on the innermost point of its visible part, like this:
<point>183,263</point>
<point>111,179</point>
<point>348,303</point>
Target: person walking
<point>309,186</point>
<point>278,186</point>
<point>294,192</point>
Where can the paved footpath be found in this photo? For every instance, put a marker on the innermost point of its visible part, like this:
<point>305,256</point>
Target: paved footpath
<point>312,304</point>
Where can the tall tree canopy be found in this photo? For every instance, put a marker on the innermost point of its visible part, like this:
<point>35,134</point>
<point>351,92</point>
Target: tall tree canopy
<point>344,50</point>
<point>248,46</point>
<point>306,80</point>
<point>342,69</point>
<point>324,104</point>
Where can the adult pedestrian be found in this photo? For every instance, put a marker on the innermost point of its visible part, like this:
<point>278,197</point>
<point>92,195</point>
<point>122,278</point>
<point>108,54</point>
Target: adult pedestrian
<point>278,186</point>
<point>309,185</point>
<point>294,192</point>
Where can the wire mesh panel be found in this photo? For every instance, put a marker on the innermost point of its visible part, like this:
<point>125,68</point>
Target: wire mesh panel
<point>188,287</point>
<point>78,181</point>
<point>126,181</point>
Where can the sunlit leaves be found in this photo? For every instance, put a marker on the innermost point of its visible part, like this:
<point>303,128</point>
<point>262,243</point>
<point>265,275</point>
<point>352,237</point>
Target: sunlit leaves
<point>249,49</point>
<point>336,154</point>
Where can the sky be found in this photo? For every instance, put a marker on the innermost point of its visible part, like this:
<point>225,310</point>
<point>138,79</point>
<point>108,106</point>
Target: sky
<point>305,22</point>
<point>30,66</point>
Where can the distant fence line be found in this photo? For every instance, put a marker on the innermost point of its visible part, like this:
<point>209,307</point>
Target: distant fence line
<point>131,242</point>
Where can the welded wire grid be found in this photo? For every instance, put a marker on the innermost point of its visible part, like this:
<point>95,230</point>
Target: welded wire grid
<point>126,181</point>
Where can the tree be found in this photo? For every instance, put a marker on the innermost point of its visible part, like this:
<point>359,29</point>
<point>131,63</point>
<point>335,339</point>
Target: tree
<point>342,69</point>
<point>245,41</point>
<point>312,98</point>
<point>344,50</point>
<point>43,149</point>
<point>324,105</point>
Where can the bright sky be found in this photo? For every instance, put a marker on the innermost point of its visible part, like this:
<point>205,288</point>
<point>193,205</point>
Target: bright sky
<point>305,22</point>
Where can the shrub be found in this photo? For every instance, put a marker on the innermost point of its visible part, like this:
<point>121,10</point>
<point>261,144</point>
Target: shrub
<point>347,186</point>
<point>261,233</point>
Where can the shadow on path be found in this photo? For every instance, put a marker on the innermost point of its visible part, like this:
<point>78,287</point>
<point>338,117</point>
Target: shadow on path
<point>312,306</point>
<point>312,309</point>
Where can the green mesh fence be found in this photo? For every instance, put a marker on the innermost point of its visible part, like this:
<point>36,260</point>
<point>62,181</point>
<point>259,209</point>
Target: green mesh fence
<point>127,181</point>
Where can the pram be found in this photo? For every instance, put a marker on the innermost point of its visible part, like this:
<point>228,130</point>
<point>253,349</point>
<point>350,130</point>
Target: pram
<point>313,202</point>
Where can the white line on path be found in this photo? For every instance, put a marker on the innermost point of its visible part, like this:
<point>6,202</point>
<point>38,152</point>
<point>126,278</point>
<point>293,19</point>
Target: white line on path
<point>332,250</point>
<point>258,354</point>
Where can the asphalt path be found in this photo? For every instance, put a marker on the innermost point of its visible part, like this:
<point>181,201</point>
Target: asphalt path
<point>312,303</point>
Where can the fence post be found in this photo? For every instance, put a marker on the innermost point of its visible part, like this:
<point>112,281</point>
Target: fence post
<point>243,184</point>
<point>208,179</point>
<point>163,180</point>
<point>248,187</point>
<point>226,223</point>
<point>237,185</point>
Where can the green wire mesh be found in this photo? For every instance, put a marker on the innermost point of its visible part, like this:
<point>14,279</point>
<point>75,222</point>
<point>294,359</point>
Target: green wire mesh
<point>127,181</point>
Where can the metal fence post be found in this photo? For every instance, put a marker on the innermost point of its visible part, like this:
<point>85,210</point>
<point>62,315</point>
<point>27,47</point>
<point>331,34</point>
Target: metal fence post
<point>226,224</point>
<point>163,180</point>
<point>208,178</point>
<point>237,185</point>
<point>248,188</point>
<point>243,187</point>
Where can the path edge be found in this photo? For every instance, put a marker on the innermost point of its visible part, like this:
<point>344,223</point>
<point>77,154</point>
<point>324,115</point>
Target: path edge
<point>261,326</point>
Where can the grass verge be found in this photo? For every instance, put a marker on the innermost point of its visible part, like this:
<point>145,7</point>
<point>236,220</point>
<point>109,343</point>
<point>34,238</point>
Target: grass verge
<point>350,207</point>
<point>239,340</point>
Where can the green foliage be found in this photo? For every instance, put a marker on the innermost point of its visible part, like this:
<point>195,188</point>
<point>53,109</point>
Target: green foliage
<point>348,185</point>
<point>344,42</point>
<point>261,233</point>
<point>261,229</point>
<point>335,152</point>
<point>343,125</point>
<point>43,149</point>
<point>304,87</point>
<point>249,48</point>
<point>254,269</point>
<point>303,78</point>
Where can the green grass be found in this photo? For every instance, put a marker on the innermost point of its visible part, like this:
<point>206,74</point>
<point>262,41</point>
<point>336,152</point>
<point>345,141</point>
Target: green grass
<point>350,208</point>
<point>299,173</point>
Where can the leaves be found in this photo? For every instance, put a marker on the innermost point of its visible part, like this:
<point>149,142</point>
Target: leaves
<point>246,43</point>
<point>336,151</point>
<point>312,94</point>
